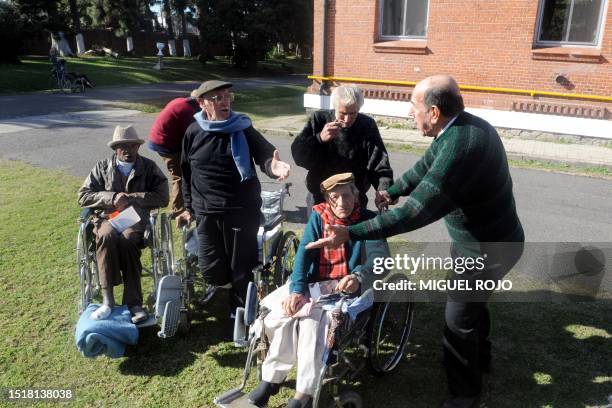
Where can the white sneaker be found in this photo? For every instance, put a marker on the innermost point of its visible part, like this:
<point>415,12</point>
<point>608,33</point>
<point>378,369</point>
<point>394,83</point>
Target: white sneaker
<point>101,313</point>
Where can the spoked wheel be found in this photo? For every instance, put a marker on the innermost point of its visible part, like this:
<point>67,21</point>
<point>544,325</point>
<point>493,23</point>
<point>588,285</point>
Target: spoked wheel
<point>84,273</point>
<point>87,270</point>
<point>64,85</point>
<point>388,335</point>
<point>285,256</point>
<point>166,250</point>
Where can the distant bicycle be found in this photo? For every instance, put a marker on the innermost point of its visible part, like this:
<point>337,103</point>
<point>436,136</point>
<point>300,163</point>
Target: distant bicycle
<point>60,80</point>
<point>67,82</point>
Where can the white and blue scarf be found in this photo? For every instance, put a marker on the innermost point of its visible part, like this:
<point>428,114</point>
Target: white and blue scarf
<point>235,124</point>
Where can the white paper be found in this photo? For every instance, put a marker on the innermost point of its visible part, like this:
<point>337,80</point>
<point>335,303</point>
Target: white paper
<point>125,219</point>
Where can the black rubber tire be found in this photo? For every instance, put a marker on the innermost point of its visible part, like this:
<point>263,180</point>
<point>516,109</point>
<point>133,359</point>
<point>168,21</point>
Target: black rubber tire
<point>165,244</point>
<point>285,255</point>
<point>83,272</point>
<point>402,314</point>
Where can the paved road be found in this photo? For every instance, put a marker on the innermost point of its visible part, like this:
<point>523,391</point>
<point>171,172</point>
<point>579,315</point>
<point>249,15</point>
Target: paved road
<point>30,104</point>
<point>553,207</point>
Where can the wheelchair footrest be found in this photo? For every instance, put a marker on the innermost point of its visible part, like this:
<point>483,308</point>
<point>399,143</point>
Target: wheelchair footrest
<point>240,329</point>
<point>170,320</point>
<point>168,290</point>
<point>234,399</point>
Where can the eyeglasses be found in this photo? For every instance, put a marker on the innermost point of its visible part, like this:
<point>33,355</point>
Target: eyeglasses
<point>219,98</point>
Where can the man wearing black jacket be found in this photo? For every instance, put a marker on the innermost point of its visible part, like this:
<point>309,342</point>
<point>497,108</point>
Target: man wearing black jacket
<point>342,141</point>
<point>221,189</point>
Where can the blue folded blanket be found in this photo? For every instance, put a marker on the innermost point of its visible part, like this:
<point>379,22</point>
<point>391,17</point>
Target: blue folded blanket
<point>108,336</point>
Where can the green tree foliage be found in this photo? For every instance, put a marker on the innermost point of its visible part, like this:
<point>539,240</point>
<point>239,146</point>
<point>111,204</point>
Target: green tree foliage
<point>254,27</point>
<point>124,16</point>
<point>10,33</point>
<point>41,15</point>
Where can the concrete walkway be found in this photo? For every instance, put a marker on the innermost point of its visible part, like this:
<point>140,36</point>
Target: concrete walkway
<point>578,154</point>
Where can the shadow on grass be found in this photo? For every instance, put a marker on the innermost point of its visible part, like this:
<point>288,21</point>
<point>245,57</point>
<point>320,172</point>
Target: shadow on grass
<point>549,354</point>
<point>168,357</point>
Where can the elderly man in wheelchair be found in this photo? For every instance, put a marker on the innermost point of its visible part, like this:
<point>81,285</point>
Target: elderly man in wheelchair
<point>116,183</point>
<point>295,323</point>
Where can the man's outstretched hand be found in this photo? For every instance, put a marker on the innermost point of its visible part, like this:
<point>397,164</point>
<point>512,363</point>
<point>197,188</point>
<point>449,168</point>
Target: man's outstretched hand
<point>336,236</point>
<point>279,168</point>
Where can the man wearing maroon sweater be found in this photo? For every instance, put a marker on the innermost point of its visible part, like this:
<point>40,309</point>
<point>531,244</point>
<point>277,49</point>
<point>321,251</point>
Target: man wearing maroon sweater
<point>166,137</point>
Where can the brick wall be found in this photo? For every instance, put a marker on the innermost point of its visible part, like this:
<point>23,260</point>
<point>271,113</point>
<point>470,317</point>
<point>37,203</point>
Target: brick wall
<point>484,43</point>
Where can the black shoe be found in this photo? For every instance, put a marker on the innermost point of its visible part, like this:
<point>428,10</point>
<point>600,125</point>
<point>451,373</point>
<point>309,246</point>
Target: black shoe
<point>461,402</point>
<point>294,403</point>
<point>260,395</point>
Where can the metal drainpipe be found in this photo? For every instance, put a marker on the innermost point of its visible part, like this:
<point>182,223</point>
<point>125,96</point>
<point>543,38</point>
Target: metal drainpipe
<point>324,50</point>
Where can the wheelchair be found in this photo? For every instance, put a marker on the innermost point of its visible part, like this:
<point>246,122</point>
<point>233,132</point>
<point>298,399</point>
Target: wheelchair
<point>277,249</point>
<point>164,299</point>
<point>378,337</point>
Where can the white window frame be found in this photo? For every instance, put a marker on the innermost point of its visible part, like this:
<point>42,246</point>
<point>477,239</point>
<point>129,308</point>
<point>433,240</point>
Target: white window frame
<point>596,43</point>
<point>381,6</point>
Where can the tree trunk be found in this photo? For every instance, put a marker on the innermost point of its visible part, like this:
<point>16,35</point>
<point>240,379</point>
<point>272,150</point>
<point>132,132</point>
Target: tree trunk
<point>74,13</point>
<point>168,18</point>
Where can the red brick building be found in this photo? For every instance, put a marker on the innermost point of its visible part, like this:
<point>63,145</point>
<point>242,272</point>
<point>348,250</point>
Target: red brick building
<point>533,64</point>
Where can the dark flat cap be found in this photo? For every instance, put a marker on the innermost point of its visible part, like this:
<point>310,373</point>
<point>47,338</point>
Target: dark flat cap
<point>210,86</point>
<point>336,180</point>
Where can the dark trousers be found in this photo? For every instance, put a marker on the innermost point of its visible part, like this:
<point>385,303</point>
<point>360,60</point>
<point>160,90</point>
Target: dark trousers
<point>120,252</point>
<point>467,349</point>
<point>228,251</point>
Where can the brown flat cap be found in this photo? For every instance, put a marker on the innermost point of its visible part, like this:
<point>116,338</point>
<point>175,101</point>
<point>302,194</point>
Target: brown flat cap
<point>336,180</point>
<point>210,86</point>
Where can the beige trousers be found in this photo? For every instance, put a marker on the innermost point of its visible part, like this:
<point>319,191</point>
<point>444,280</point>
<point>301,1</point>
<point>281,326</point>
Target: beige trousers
<point>295,339</point>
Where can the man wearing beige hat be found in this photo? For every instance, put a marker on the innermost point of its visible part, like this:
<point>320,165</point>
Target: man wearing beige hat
<point>221,190</point>
<point>115,183</point>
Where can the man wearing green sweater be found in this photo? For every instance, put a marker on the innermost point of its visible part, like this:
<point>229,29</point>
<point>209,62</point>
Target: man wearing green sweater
<point>464,178</point>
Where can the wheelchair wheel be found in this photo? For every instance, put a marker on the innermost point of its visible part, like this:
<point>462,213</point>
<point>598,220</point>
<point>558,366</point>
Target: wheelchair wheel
<point>388,335</point>
<point>285,256</point>
<point>87,270</point>
<point>167,254</point>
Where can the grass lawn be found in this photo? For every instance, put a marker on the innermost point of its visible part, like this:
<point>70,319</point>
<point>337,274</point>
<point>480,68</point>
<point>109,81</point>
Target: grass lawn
<point>545,354</point>
<point>259,104</point>
<point>34,72</point>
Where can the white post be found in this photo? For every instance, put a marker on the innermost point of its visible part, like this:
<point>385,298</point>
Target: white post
<point>160,55</point>
<point>80,43</point>
<point>186,48</point>
<point>130,44</point>
<point>172,48</point>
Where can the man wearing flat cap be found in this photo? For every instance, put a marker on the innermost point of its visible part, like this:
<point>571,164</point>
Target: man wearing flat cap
<point>221,190</point>
<point>125,179</point>
<point>464,178</point>
<point>296,324</point>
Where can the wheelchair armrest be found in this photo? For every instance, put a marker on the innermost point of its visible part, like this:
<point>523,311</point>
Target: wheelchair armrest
<point>271,224</point>
<point>86,213</point>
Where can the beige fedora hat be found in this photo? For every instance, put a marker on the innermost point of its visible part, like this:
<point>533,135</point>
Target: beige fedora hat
<point>124,135</point>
